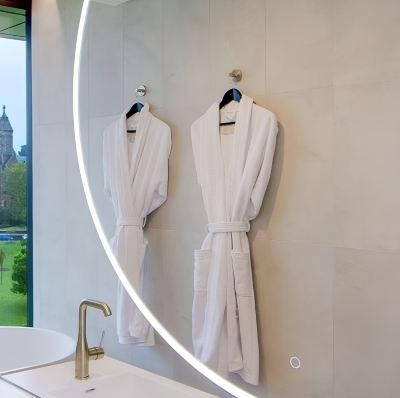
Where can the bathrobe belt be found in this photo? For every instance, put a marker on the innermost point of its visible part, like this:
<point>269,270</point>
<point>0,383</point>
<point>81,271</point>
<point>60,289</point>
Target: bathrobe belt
<point>131,222</point>
<point>228,226</point>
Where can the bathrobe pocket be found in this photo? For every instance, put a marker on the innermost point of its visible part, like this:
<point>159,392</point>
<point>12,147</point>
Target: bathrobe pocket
<point>202,259</point>
<point>242,274</point>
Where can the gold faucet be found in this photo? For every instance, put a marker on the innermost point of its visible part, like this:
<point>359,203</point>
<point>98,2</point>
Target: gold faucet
<point>82,352</point>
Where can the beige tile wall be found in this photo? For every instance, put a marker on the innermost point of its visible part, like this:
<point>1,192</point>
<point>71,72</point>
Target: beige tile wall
<point>326,245</point>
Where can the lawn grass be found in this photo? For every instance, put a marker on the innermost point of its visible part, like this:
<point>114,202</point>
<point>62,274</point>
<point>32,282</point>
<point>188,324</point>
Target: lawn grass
<point>13,307</point>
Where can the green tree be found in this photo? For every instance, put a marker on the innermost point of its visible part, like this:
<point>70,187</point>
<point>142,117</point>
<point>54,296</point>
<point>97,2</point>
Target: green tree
<point>19,272</point>
<point>15,187</point>
<point>2,257</point>
<point>5,217</point>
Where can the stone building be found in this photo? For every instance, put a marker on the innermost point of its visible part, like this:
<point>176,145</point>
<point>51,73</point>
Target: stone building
<point>7,153</point>
<point>22,154</point>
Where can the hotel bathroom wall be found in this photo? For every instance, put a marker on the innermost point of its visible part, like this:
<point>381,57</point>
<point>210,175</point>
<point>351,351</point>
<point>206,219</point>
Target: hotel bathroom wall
<point>325,247</point>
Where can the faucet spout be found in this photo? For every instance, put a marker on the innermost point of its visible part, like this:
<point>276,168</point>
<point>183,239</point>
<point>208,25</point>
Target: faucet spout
<point>83,353</point>
<point>95,304</point>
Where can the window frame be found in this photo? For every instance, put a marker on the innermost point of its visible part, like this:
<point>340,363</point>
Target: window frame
<point>22,4</point>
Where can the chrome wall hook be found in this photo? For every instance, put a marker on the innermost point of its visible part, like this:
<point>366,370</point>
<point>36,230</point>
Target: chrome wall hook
<point>236,75</point>
<point>141,91</point>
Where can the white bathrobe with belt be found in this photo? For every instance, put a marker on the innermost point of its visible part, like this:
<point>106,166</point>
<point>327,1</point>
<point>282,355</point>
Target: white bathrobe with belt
<point>136,179</point>
<point>233,171</point>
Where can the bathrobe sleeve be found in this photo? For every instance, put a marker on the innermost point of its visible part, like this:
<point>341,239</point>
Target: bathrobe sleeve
<point>161,170</point>
<point>257,196</point>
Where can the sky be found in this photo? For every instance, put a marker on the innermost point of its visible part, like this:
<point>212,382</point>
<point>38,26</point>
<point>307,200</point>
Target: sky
<point>13,86</point>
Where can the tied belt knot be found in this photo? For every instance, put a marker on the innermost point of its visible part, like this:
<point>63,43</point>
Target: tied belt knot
<point>131,222</point>
<point>228,226</point>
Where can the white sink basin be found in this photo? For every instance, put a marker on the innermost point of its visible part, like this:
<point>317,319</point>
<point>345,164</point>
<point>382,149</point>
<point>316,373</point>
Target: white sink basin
<point>24,348</point>
<point>108,378</point>
<point>127,385</point>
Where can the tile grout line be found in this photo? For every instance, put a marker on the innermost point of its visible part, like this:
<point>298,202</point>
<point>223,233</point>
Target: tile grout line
<point>334,246</point>
<point>333,203</point>
<point>265,49</point>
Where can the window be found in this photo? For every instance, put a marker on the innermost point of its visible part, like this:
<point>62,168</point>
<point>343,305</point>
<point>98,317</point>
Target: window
<point>15,165</point>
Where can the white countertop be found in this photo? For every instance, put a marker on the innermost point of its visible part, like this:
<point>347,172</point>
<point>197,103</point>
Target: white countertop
<point>9,391</point>
<point>105,374</point>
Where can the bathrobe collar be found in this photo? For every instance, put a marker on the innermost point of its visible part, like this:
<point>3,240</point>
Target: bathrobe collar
<point>130,164</point>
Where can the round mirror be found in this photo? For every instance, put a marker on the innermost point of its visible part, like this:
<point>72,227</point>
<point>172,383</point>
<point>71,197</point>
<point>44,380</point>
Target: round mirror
<point>225,149</point>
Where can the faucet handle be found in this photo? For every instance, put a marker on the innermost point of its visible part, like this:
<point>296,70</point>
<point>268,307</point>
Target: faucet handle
<point>97,352</point>
<point>102,338</point>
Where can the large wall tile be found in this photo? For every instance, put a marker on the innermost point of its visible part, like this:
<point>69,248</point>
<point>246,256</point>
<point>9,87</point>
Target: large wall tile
<point>53,189</point>
<point>185,53</point>
<point>294,302</point>
<point>299,38</point>
<point>80,232</point>
<point>143,52</point>
<point>299,203</point>
<point>104,26</point>
<point>48,50</point>
<point>366,46</point>
<point>367,324</point>
<point>70,12</point>
<point>367,199</point>
<point>95,171</point>
<point>236,41</point>
<point>49,208</point>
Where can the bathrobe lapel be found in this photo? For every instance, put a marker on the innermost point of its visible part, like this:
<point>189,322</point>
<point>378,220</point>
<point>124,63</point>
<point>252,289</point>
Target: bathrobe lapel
<point>129,165</point>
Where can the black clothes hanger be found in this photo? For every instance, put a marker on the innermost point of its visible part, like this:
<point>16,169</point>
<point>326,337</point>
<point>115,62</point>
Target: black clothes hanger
<point>232,94</point>
<point>137,107</point>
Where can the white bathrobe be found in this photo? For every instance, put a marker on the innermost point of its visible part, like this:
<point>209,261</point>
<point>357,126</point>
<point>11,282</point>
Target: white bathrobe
<point>136,179</point>
<point>233,171</point>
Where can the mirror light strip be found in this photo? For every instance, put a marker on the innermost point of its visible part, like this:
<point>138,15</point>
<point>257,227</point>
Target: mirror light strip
<point>183,352</point>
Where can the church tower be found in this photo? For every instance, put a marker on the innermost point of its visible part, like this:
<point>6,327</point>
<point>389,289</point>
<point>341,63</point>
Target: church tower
<point>7,153</point>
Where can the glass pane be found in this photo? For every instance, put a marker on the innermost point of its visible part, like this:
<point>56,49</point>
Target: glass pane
<point>13,169</point>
